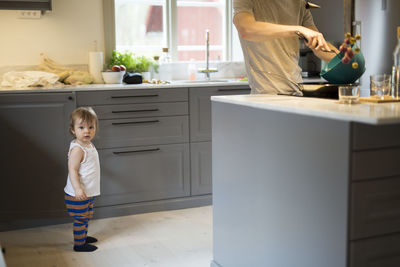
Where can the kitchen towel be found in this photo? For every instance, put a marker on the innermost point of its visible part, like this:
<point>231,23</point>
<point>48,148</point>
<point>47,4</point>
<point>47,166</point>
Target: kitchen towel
<point>96,66</point>
<point>24,79</point>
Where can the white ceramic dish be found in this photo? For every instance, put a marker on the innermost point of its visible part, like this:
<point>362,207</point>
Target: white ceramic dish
<point>113,77</point>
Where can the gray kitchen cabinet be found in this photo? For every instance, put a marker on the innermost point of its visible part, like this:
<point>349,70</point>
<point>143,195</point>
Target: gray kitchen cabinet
<point>200,134</point>
<point>134,96</point>
<point>375,207</point>
<point>150,157</point>
<point>143,145</point>
<point>142,110</point>
<point>35,141</point>
<point>142,131</point>
<point>375,196</point>
<point>200,109</point>
<point>144,173</point>
<point>382,251</point>
<point>201,168</point>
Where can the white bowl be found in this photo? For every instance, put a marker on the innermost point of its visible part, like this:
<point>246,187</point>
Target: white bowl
<point>113,76</point>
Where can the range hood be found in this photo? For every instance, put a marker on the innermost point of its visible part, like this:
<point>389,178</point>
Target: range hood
<point>25,4</point>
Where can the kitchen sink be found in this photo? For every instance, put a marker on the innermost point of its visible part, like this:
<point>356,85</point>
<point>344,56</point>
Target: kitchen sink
<point>210,81</point>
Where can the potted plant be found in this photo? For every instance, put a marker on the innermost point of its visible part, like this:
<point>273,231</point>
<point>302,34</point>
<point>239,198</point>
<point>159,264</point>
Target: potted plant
<point>133,64</point>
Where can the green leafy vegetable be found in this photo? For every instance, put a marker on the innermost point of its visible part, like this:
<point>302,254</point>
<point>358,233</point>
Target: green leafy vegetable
<point>131,62</point>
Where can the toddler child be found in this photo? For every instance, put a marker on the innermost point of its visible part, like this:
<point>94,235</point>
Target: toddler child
<point>83,182</point>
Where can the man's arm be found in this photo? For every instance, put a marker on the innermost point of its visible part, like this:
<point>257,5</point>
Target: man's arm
<point>257,31</point>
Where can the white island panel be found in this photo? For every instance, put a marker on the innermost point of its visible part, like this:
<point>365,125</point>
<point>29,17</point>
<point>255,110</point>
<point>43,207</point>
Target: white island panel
<point>280,186</point>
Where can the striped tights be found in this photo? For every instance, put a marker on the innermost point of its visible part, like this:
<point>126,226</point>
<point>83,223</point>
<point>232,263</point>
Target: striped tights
<point>82,212</point>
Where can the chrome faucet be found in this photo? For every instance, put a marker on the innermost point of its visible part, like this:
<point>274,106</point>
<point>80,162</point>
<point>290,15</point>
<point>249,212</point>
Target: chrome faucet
<point>207,70</point>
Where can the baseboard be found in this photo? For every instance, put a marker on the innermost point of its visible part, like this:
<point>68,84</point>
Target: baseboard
<point>9,223</point>
<point>152,206</point>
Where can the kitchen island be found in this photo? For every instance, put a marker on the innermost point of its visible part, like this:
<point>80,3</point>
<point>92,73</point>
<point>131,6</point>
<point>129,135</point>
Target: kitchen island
<point>305,182</point>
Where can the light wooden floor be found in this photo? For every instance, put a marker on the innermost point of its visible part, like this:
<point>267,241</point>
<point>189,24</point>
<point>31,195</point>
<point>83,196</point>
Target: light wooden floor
<point>179,238</point>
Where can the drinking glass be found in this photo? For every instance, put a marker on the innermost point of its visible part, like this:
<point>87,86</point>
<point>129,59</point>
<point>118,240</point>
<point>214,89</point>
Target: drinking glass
<point>380,85</point>
<point>349,94</point>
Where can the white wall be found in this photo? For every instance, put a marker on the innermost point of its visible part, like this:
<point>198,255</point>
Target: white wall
<point>66,35</point>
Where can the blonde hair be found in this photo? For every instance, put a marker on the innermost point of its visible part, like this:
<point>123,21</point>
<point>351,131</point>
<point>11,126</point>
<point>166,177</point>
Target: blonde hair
<point>86,114</point>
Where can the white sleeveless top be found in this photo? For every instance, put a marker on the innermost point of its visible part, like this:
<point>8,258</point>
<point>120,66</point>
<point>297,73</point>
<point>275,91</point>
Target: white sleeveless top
<point>89,172</point>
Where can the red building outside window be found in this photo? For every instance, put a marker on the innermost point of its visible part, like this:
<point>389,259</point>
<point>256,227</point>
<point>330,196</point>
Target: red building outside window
<point>141,27</point>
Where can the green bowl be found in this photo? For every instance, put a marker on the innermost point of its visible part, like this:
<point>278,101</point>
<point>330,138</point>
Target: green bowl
<point>337,72</point>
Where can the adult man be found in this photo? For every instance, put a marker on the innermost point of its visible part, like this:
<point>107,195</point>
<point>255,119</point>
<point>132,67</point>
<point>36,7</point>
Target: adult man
<point>269,35</point>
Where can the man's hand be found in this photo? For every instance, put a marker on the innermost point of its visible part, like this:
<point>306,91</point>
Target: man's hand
<point>315,39</point>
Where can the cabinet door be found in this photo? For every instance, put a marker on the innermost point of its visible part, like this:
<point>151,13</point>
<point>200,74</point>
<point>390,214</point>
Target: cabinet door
<point>382,251</point>
<point>34,143</point>
<point>375,163</point>
<point>375,208</point>
<point>200,161</point>
<point>134,174</point>
<point>200,109</point>
<point>371,136</point>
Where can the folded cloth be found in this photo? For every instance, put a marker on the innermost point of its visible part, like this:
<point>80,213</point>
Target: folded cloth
<point>23,79</point>
<point>79,78</point>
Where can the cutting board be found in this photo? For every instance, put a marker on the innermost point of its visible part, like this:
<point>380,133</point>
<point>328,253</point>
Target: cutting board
<point>377,100</point>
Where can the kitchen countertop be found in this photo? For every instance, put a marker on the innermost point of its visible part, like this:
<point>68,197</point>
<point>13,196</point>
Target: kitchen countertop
<point>173,84</point>
<point>89,87</point>
<point>370,113</point>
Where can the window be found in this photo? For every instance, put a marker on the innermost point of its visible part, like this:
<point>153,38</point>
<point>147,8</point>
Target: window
<point>193,19</point>
<point>139,26</point>
<point>144,27</point>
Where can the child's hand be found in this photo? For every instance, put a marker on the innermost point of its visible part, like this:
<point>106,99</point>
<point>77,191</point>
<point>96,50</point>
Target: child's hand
<point>80,194</point>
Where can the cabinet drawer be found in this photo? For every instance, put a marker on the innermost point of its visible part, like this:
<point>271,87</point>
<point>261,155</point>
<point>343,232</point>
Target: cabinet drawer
<point>369,136</point>
<point>375,163</point>
<point>200,109</point>
<point>375,208</point>
<point>134,174</point>
<point>376,252</point>
<point>132,96</point>
<point>142,131</point>
<point>141,110</point>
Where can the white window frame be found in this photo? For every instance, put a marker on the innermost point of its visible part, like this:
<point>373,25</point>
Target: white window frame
<point>171,27</point>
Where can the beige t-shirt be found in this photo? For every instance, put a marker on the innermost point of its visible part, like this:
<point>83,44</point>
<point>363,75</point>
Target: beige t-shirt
<point>272,66</point>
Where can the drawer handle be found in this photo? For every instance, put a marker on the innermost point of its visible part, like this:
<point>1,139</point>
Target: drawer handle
<point>136,151</point>
<point>134,122</point>
<point>228,90</point>
<point>129,96</point>
<point>136,110</point>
